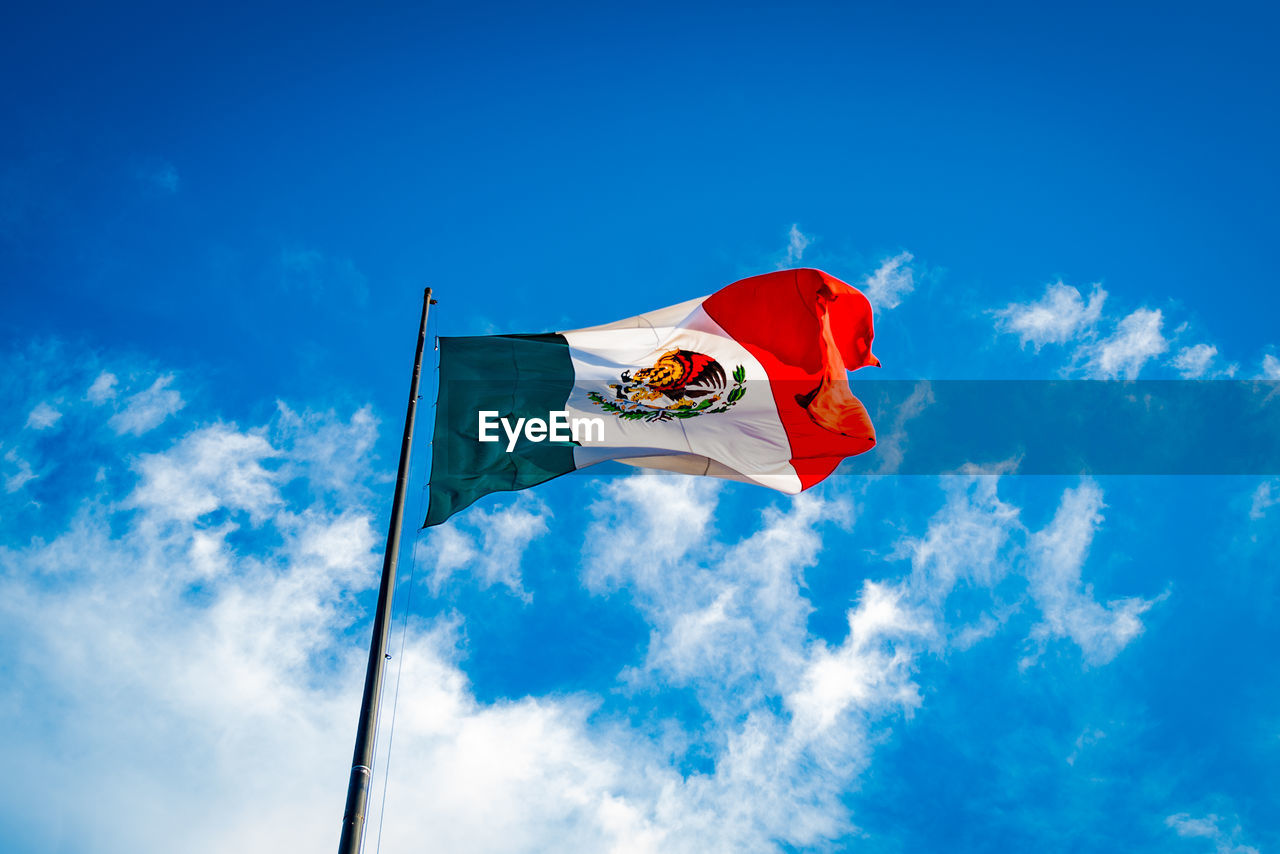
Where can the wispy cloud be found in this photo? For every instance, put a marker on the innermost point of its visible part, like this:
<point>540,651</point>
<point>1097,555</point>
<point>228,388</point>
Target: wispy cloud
<point>1087,738</point>
<point>870,669</point>
<point>148,409</point>
<point>891,443</point>
<point>1225,835</point>
<point>204,604</point>
<point>331,450</point>
<point>732,629</point>
<point>1135,342</point>
<point>1266,496</point>
<point>976,540</point>
<point>18,471</point>
<point>886,286</point>
<point>1193,362</point>
<point>797,243</point>
<point>1102,346</point>
<point>149,624</point>
<point>213,468</point>
<point>1069,610</point>
<point>790,717</point>
<point>43,416</point>
<point>160,634</point>
<point>1270,367</point>
<point>965,540</point>
<point>891,281</point>
<point>1056,318</point>
<point>102,389</point>
<point>488,544</point>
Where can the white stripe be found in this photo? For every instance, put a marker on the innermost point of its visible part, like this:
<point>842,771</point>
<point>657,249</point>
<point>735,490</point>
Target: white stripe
<point>746,442</point>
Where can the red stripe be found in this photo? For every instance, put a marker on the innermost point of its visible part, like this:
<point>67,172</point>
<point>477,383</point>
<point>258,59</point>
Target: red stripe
<point>778,318</point>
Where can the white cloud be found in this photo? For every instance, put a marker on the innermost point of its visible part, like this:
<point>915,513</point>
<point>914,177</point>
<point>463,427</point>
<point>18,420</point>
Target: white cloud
<point>965,540</point>
<point>1270,367</point>
<point>731,626</point>
<point>886,287</point>
<point>147,409</point>
<point>474,777</point>
<point>103,388</point>
<point>177,632</point>
<point>1136,341</point>
<point>1193,362</point>
<point>737,628</point>
<point>975,541</point>
<point>733,629</point>
<point>891,443</point>
<point>1088,737</point>
<point>488,544</point>
<point>213,468</point>
<point>890,282</point>
<point>1063,316</point>
<point>20,474</point>
<point>1069,610</point>
<point>797,243</point>
<point>332,451</point>
<point>664,517</point>
<point>1267,495</point>
<point>43,416</point>
<point>157,662</point>
<point>147,631</point>
<point>1056,318</point>
<point>865,671</point>
<point>1184,825</point>
<point>1225,840</point>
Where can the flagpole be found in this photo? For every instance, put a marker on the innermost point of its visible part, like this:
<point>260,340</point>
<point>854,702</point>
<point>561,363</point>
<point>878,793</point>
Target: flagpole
<point>366,732</point>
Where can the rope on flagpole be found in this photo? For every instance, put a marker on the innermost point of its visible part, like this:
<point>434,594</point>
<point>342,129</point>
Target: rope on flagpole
<point>395,696</point>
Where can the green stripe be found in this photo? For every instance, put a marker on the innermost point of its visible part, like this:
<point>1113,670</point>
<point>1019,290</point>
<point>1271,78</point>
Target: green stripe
<point>519,376</point>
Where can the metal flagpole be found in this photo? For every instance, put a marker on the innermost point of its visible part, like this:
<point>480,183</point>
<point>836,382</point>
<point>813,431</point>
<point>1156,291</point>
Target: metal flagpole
<point>366,733</point>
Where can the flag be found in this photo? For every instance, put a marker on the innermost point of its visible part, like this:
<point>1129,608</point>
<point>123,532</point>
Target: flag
<point>748,383</point>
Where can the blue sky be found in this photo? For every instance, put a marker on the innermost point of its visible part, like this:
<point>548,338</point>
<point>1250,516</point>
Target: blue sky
<point>214,229</point>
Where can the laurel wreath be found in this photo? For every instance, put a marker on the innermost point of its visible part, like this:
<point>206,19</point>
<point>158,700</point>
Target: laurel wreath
<point>630,411</point>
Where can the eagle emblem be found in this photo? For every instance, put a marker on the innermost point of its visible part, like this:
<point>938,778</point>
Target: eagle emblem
<point>680,384</point>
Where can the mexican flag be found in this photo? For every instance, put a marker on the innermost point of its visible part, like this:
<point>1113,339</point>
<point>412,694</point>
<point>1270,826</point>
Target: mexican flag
<point>749,383</point>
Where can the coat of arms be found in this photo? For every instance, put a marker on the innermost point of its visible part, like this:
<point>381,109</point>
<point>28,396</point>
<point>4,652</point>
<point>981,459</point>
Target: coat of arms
<point>681,384</point>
